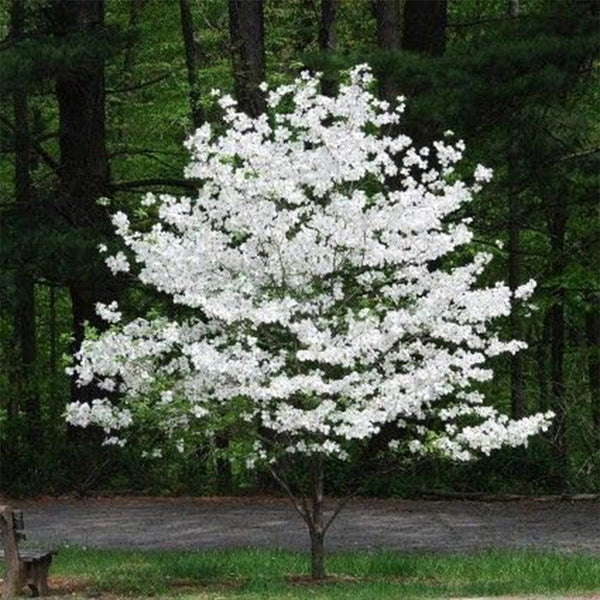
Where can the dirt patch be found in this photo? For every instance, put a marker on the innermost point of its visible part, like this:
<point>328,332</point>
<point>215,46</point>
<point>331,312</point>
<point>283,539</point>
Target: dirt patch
<point>71,586</point>
<point>308,581</point>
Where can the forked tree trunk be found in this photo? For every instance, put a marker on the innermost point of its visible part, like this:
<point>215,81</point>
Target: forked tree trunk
<point>312,511</point>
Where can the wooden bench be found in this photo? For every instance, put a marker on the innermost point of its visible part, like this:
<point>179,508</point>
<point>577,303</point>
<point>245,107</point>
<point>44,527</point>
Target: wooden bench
<point>23,567</point>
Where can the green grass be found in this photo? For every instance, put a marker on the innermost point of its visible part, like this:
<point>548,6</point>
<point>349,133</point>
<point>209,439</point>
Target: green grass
<point>258,574</point>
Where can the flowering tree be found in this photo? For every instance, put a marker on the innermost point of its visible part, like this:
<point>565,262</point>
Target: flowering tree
<point>309,264</point>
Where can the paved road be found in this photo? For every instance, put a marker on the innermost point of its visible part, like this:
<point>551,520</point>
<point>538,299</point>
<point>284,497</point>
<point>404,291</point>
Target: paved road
<point>408,525</point>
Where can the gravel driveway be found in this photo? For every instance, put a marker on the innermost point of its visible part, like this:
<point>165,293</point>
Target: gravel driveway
<point>407,525</point>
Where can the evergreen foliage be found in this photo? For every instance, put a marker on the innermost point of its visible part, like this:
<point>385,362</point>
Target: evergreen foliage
<point>521,90</point>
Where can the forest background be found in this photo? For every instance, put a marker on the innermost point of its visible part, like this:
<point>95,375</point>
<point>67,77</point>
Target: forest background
<point>96,100</point>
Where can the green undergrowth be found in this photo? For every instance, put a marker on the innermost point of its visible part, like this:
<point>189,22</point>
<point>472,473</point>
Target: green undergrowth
<point>257,574</point>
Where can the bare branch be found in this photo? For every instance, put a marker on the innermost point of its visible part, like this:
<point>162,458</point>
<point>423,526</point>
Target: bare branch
<point>133,88</point>
<point>142,183</point>
<point>574,155</point>
<point>299,505</point>
<point>339,507</point>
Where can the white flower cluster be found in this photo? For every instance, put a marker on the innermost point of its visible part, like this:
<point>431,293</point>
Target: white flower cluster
<point>108,312</point>
<point>308,255</point>
<point>99,412</point>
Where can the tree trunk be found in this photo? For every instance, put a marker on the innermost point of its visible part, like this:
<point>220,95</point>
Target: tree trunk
<point>317,520</point>
<point>246,28</point>
<point>135,8</point>
<point>558,222</point>
<point>187,31</point>
<point>223,466</point>
<point>328,40</point>
<point>25,350</point>
<point>517,400</point>
<point>514,280</point>
<point>24,316</point>
<point>84,167</point>
<point>592,329</point>
<point>388,38</point>
<point>52,343</point>
<point>317,555</point>
<point>542,364</point>
<point>13,579</point>
<point>424,26</point>
<point>84,170</point>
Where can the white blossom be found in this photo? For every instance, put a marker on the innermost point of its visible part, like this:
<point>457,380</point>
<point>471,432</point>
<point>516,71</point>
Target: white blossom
<point>118,263</point>
<point>483,174</point>
<point>525,291</point>
<point>108,312</point>
<point>319,315</point>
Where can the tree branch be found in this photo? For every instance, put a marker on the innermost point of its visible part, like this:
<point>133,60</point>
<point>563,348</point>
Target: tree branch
<point>133,88</point>
<point>301,509</point>
<point>36,146</point>
<point>339,507</point>
<point>128,185</point>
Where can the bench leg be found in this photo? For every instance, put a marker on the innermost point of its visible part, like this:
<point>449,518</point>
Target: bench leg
<point>29,579</point>
<point>42,576</point>
<point>36,576</point>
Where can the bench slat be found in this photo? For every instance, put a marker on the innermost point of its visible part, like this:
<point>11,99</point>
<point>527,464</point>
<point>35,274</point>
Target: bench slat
<point>30,555</point>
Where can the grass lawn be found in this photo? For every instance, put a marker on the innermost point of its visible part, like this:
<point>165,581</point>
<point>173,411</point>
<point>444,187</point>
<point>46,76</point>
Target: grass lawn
<point>257,574</point>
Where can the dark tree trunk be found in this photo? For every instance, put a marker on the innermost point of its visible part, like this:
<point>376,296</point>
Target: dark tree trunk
<point>514,280</point>
<point>388,38</point>
<point>24,317</point>
<point>517,399</point>
<point>247,30</point>
<point>52,342</point>
<point>424,26</point>
<point>84,168</point>
<point>135,9</point>
<point>558,223</point>
<point>187,31</point>
<point>542,364</point>
<point>25,347</point>
<point>592,329</point>
<point>224,473</point>
<point>328,40</point>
